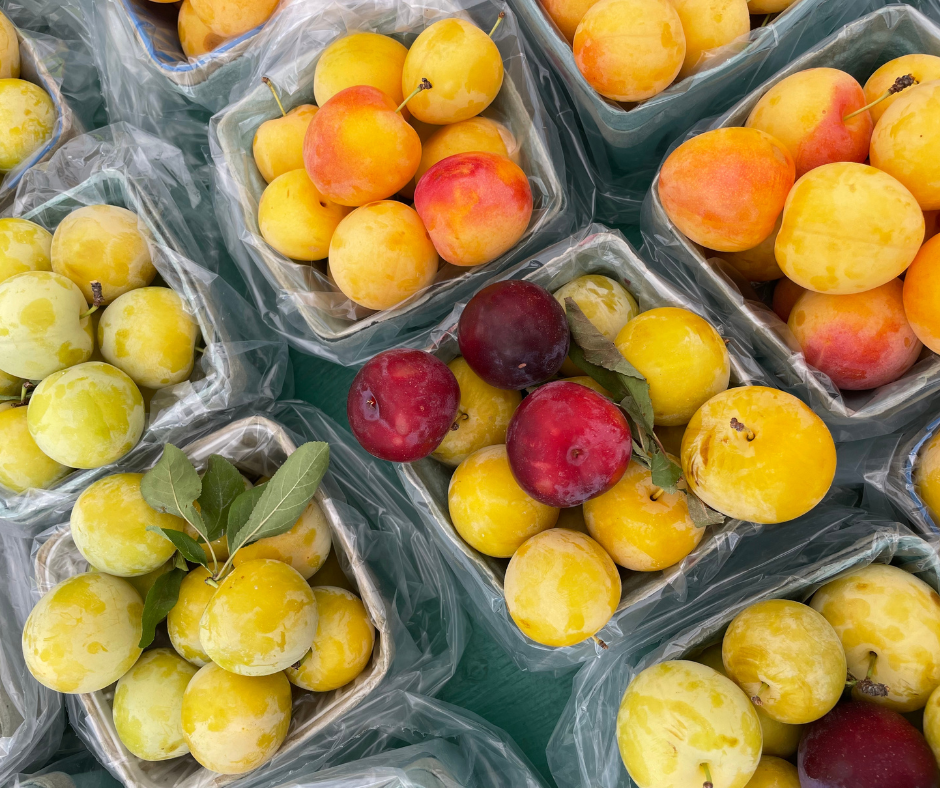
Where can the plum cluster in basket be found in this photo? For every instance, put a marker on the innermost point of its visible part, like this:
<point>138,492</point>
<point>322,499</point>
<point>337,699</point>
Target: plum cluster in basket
<point>589,453</point>
<point>394,125</point>
<point>85,340</point>
<point>772,691</point>
<point>831,189</point>
<point>244,625</point>
<point>205,25</point>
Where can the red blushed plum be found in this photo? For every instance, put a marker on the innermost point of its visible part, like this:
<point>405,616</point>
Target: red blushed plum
<point>401,404</point>
<point>514,335</point>
<point>861,745</point>
<point>476,206</point>
<point>860,341</point>
<point>567,444</point>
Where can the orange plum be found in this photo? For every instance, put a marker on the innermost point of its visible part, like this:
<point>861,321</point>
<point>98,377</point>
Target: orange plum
<point>566,14</point>
<point>848,228</point>
<point>758,264</point>
<point>931,224</point>
<point>476,206</point>
<point>905,143</point>
<point>467,136</point>
<point>786,294</point>
<point>639,71</point>
<point>196,38</point>
<point>725,188</point>
<point>358,149</point>
<point>922,294</point>
<point>924,68</point>
<point>381,254</point>
<point>360,59</point>
<point>860,341</point>
<point>233,17</point>
<point>807,111</point>
<point>463,66</point>
<point>710,24</point>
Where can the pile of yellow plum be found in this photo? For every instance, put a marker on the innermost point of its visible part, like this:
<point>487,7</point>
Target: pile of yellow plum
<point>84,341</point>
<point>256,617</point>
<point>736,714</point>
<point>538,441</point>
<point>27,114</point>
<point>395,125</point>
<point>668,39</point>
<point>831,190</point>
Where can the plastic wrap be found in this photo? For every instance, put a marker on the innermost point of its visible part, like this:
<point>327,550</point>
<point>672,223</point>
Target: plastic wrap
<point>626,146</point>
<point>789,561</point>
<point>80,770</point>
<point>299,299</point>
<point>244,361</point>
<point>402,580</point>
<point>31,716</point>
<point>600,251</point>
<point>859,49</point>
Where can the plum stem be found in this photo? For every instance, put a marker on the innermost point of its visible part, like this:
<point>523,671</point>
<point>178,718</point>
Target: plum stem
<point>737,426</point>
<point>657,494</point>
<point>97,300</point>
<point>422,85</point>
<point>500,18</point>
<point>599,642</point>
<point>211,581</point>
<point>868,687</point>
<point>461,416</point>
<point>766,20</point>
<point>708,777</point>
<point>755,699</point>
<point>901,83</point>
<point>270,85</point>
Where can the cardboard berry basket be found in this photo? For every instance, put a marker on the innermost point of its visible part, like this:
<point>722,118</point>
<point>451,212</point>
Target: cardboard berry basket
<point>787,562</point>
<point>599,251</point>
<point>299,299</point>
<point>625,146</point>
<point>257,446</point>
<point>243,361</point>
<point>859,48</point>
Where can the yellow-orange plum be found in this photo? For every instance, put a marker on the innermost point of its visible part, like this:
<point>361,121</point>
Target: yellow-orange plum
<point>774,773</point>
<point>24,246</point>
<point>644,68</point>
<point>932,723</point>
<point>926,476</point>
<point>233,17</point>
<point>381,254</point>
<point>182,622</point>
<point>305,546</point>
<point>922,294</point>
<point>196,37</point>
<point>22,463</point>
<point>924,68</point>
<point>296,219</point>
<point>786,294</point>
<point>758,264</point>
<point>9,49</point>
<point>769,6</point>
<point>860,341</point>
<point>561,587</point>
<point>682,357</point>
<point>278,144</point>
<point>725,188</point>
<point>848,228</point>
<point>27,120</point>
<point>758,454</point>
<point>467,136</point>
<point>463,66</point>
<point>360,59</point>
<point>475,206</point>
<point>641,526</point>
<point>567,14</point>
<point>806,113</point>
<point>358,149</point>
<point>905,143</point>
<point>489,509</point>
<point>710,24</point>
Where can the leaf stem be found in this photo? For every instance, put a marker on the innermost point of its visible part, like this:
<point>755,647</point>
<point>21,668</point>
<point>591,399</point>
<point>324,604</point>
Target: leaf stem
<point>270,85</point>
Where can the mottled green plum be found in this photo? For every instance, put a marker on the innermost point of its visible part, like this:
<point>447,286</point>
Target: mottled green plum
<point>27,118</point>
<point>23,466</point>
<point>24,246</point>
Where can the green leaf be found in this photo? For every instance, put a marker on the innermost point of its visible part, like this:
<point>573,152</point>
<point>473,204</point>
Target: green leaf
<point>598,351</point>
<point>160,600</point>
<point>172,486</point>
<point>666,473</point>
<point>221,485</point>
<point>179,562</point>
<point>190,549</point>
<point>286,496</point>
<point>701,515</point>
<point>240,511</point>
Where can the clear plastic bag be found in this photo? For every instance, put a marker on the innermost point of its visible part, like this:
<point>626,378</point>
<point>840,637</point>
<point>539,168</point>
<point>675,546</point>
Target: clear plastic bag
<point>299,300</point>
<point>403,581</point>
<point>626,147</point>
<point>80,770</point>
<point>31,716</point>
<point>859,49</point>
<point>596,250</point>
<point>788,561</point>
<point>244,361</point>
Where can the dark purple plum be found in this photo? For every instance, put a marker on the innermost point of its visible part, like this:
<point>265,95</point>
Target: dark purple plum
<point>567,444</point>
<point>514,335</point>
<point>861,745</point>
<point>401,404</point>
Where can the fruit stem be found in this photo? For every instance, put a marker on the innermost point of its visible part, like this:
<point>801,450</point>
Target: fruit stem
<point>755,699</point>
<point>766,20</point>
<point>211,581</point>
<point>901,83</point>
<point>270,85</point>
<point>500,18</point>
<point>461,416</point>
<point>868,687</point>
<point>737,426</point>
<point>422,85</point>
<point>599,642</point>
<point>97,300</point>
<point>708,777</point>
<point>657,494</point>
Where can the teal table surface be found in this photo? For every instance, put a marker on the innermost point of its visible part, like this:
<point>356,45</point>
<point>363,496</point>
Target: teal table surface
<point>487,682</point>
